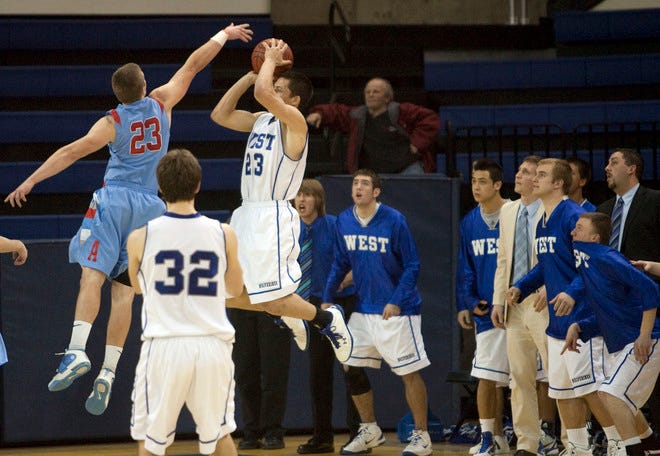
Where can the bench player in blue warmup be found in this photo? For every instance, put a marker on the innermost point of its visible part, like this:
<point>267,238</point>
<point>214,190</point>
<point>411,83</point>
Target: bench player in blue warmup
<point>475,275</point>
<point>624,301</point>
<point>374,241</point>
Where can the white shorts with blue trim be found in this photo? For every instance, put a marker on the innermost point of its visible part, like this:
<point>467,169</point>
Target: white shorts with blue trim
<point>397,341</point>
<point>490,359</point>
<point>115,211</point>
<point>628,380</point>
<point>197,371</point>
<point>268,248</point>
<point>573,375</point>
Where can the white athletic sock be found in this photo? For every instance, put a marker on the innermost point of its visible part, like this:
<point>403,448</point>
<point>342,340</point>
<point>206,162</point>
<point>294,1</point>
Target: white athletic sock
<point>579,437</point>
<point>487,425</point>
<point>611,433</point>
<point>112,354</point>
<point>632,441</point>
<point>79,335</point>
<point>646,434</point>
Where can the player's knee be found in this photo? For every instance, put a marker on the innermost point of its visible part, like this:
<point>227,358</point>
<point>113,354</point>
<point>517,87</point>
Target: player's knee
<point>357,380</point>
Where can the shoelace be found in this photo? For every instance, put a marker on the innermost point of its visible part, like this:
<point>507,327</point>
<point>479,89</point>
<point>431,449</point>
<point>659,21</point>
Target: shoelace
<point>415,438</point>
<point>362,433</point>
<point>336,339</point>
<point>612,450</point>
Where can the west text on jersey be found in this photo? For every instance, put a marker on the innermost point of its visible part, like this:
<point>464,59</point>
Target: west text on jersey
<point>545,244</point>
<point>486,246</point>
<point>581,258</point>
<point>366,243</point>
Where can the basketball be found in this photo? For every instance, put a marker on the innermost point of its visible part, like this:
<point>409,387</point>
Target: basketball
<point>258,58</point>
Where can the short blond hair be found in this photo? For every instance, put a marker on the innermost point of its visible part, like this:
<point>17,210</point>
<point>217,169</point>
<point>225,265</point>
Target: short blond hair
<point>561,170</point>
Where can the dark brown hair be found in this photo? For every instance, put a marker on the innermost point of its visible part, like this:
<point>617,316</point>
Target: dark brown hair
<point>179,174</point>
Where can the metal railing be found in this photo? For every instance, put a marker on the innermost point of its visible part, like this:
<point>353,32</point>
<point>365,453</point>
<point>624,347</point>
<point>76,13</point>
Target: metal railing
<point>337,50</point>
<point>591,141</point>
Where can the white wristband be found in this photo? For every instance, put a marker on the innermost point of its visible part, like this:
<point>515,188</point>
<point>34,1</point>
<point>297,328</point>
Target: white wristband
<point>220,37</point>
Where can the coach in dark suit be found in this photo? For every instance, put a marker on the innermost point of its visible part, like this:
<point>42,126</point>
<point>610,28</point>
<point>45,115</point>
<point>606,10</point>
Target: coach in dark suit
<point>638,222</point>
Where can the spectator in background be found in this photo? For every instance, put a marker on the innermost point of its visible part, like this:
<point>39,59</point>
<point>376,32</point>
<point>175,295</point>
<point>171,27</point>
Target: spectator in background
<point>573,380</point>
<point>20,254</point>
<point>374,241</point>
<point>625,304</point>
<point>581,176</point>
<point>317,231</point>
<point>384,135</point>
<point>477,261</point>
<point>527,320</point>
<point>636,234</point>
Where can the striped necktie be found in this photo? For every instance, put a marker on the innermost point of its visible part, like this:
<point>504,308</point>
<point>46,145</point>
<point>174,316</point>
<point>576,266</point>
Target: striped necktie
<point>305,261</point>
<point>617,215</point>
<point>520,247</point>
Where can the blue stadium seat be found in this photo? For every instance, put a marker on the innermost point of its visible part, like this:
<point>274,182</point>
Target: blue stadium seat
<point>87,175</point>
<point>573,26</point>
<point>65,126</point>
<point>118,34</point>
<point>543,73</point>
<point>84,80</point>
<point>62,226</point>
<point>565,115</point>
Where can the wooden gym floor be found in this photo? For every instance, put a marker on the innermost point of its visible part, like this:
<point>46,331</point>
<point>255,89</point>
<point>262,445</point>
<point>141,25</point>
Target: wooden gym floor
<point>189,448</point>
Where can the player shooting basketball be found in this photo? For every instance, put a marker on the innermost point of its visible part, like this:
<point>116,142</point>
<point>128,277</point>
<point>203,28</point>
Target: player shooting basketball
<point>266,224</point>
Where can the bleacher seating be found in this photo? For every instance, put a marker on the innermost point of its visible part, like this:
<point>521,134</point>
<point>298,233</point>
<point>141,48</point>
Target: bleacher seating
<point>65,126</point>
<point>510,161</point>
<point>565,115</point>
<point>618,25</point>
<point>84,80</point>
<point>85,176</point>
<point>590,71</point>
<point>60,226</point>
<point>121,33</point>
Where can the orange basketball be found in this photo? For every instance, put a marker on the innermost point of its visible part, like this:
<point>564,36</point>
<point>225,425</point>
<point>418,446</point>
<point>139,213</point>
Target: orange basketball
<point>258,58</point>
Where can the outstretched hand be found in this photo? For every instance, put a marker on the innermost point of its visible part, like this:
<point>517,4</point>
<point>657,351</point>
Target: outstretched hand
<point>18,196</point>
<point>239,32</point>
<point>274,51</point>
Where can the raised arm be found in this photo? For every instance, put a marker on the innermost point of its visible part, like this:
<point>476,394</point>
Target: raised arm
<point>225,112</point>
<point>294,128</point>
<point>101,133</point>
<point>174,90</point>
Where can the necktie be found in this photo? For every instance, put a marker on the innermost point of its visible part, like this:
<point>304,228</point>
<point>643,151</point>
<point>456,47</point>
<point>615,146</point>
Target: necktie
<point>305,261</point>
<point>520,247</point>
<point>617,215</point>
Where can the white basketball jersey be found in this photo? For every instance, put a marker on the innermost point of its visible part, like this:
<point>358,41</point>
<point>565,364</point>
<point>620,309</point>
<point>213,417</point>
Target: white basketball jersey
<point>268,173</point>
<point>182,275</point>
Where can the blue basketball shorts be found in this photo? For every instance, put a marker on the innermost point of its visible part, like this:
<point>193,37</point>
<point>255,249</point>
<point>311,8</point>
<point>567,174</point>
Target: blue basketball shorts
<point>113,213</point>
